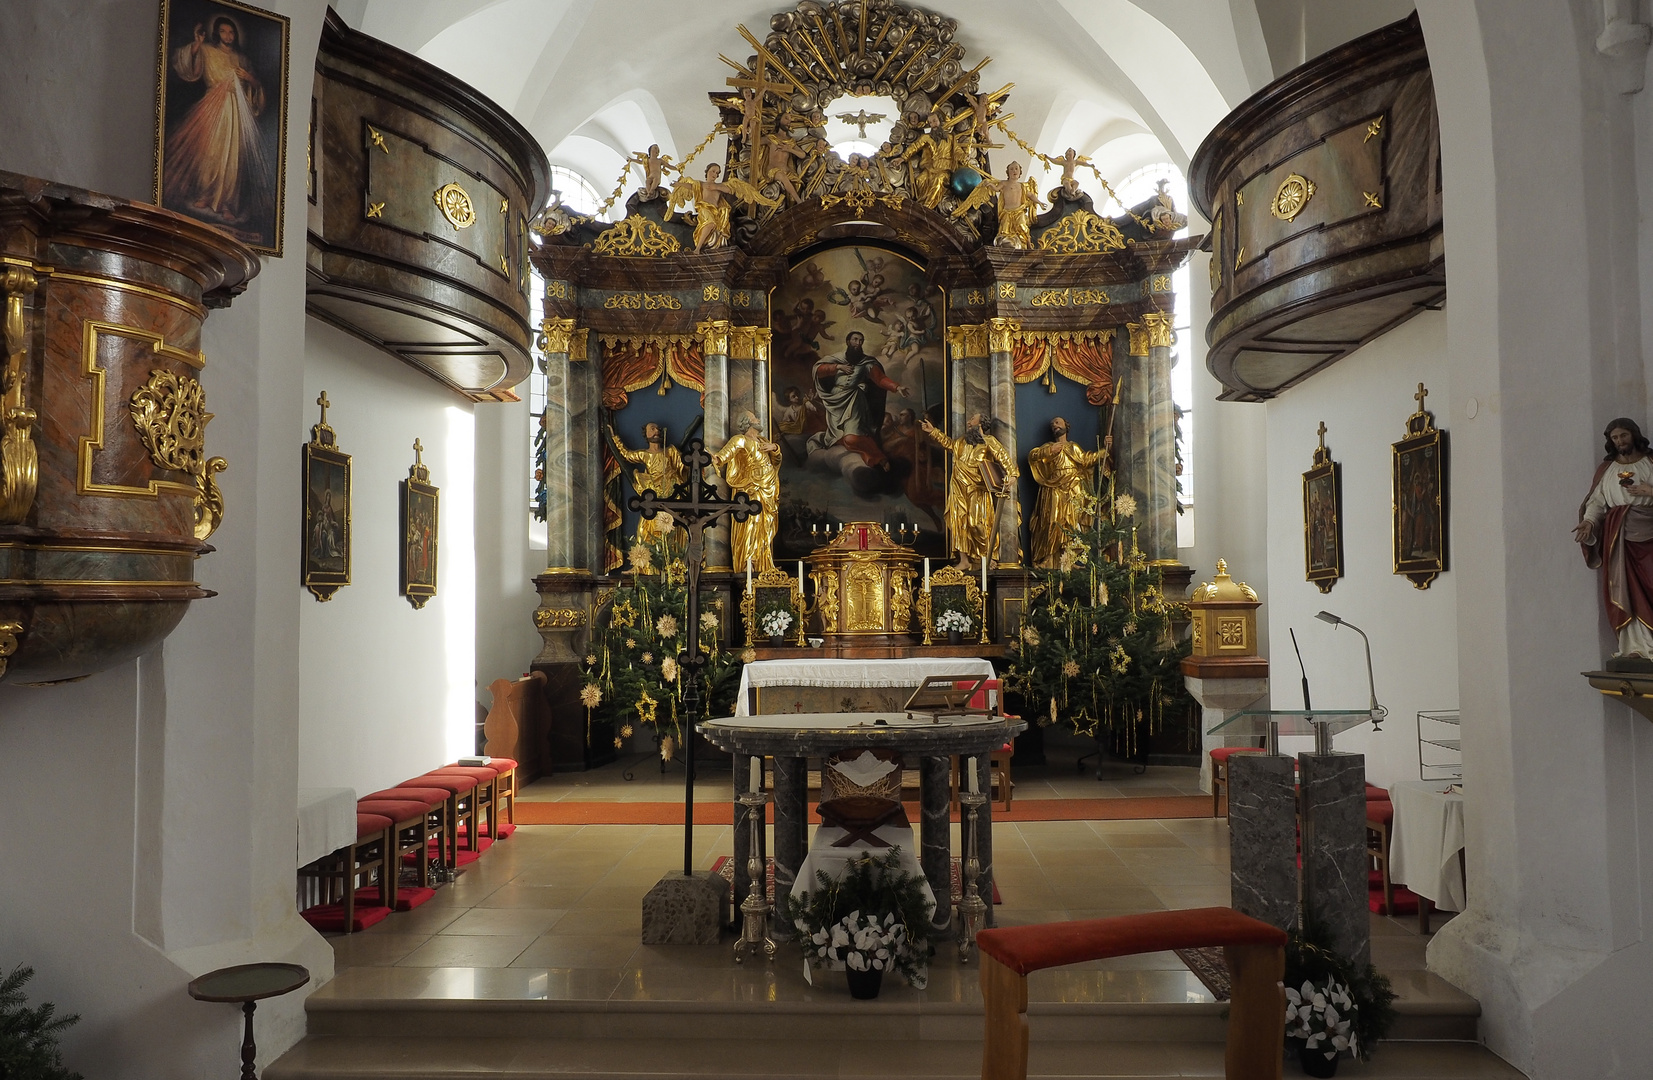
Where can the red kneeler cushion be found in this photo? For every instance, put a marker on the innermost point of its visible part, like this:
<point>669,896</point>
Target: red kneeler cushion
<point>408,897</point>
<point>370,825</point>
<point>505,831</point>
<point>1381,811</point>
<point>466,858</point>
<point>397,810</point>
<point>453,785</point>
<point>432,797</point>
<point>1043,945</point>
<point>1406,901</point>
<point>329,918</point>
<point>480,775</point>
<point>495,765</point>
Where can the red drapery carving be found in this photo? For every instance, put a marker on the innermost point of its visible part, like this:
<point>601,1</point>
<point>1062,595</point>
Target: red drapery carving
<point>1087,360</point>
<point>630,366</point>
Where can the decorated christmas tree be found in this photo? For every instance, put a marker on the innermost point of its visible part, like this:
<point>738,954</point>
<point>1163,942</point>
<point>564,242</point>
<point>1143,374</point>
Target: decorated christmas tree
<point>1097,652</point>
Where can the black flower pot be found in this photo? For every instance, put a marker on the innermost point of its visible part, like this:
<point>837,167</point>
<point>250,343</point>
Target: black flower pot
<point>864,984</point>
<point>777,640</point>
<point>955,637</point>
<point>1316,1063</point>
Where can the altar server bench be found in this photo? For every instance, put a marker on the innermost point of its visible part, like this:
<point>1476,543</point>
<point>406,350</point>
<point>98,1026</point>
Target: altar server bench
<point>1254,950</point>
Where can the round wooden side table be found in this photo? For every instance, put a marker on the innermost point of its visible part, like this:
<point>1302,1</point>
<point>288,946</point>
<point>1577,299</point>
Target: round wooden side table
<point>245,985</point>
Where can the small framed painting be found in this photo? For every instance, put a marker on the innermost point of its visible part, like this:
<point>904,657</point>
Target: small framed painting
<point>1323,518</point>
<point>221,117</point>
<point>326,564</point>
<point>1420,498</point>
<point>419,525</point>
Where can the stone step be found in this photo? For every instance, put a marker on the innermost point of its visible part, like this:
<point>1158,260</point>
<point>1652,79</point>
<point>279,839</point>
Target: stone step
<point>849,1054</point>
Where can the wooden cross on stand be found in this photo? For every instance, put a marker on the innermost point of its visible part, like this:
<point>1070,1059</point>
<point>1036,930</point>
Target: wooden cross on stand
<point>695,505</point>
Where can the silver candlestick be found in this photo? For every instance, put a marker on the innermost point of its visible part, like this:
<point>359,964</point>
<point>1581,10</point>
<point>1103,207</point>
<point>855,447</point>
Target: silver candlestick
<point>754,934</point>
<point>971,908</point>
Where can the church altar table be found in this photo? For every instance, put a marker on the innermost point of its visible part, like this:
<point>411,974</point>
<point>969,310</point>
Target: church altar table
<point>326,821</point>
<point>805,671</point>
<point>793,738</point>
<point>1426,842</point>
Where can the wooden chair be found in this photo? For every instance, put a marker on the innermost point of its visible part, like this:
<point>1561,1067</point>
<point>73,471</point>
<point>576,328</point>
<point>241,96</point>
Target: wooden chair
<point>1380,819</point>
<point>485,805</point>
<point>409,832</point>
<point>1219,772</point>
<point>1254,950</point>
<point>353,864</point>
<point>460,808</point>
<point>435,800</point>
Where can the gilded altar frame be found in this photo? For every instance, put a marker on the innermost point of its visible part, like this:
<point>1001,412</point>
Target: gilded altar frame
<point>948,578</point>
<point>771,581</point>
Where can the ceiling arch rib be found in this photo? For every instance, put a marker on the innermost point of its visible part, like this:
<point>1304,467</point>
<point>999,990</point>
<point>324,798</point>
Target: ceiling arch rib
<point>496,48</point>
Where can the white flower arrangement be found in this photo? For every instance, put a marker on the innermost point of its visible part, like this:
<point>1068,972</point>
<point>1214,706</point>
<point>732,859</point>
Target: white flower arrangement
<point>860,944</point>
<point>1323,1017</point>
<point>951,620</point>
<point>776,622</point>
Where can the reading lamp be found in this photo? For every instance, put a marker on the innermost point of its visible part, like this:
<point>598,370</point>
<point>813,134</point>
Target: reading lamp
<point>1378,711</point>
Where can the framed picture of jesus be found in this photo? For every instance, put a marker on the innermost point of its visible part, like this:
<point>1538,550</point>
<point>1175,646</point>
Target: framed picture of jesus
<point>221,117</point>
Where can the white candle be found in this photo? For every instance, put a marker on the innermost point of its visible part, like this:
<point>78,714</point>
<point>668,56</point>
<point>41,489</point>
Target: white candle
<point>926,573</point>
<point>975,786</point>
<point>757,775</point>
<point>800,577</point>
<point>749,575</point>
<point>984,578</point>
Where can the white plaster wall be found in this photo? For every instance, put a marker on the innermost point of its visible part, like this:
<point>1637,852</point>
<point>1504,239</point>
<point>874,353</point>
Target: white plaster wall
<point>387,691</point>
<point>506,641</point>
<point>1364,400</point>
<point>171,852</point>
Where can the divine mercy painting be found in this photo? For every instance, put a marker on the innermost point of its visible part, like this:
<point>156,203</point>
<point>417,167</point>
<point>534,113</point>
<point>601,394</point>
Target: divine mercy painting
<point>221,117</point>
<point>858,360</point>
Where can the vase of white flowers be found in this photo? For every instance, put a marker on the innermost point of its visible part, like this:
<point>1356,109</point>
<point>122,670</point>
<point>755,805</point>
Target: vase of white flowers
<point>871,919</point>
<point>775,624</point>
<point>955,624</point>
<point>1321,1019</point>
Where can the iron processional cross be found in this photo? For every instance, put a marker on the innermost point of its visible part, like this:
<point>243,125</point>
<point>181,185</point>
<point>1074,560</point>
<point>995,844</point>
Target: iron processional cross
<point>695,505</point>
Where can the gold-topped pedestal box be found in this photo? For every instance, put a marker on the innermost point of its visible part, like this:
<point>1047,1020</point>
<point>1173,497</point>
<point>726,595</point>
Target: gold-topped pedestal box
<point>863,582</point>
<point>1223,614</point>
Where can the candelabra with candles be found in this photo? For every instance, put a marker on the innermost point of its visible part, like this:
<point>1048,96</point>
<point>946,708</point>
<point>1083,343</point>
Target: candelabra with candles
<point>971,908</point>
<point>754,909</point>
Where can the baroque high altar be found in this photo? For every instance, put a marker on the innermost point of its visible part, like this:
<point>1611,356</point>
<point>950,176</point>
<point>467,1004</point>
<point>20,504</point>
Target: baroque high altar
<point>874,341</point>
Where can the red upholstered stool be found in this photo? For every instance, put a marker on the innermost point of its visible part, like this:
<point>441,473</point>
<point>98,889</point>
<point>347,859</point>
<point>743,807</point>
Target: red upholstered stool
<point>410,831</point>
<point>436,811</point>
<point>1219,771</point>
<point>505,790</point>
<point>461,807</point>
<point>486,784</point>
<point>1380,820</point>
<point>348,866</point>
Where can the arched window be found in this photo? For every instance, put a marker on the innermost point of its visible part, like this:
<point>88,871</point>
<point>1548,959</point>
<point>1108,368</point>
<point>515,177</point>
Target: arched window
<point>577,193</point>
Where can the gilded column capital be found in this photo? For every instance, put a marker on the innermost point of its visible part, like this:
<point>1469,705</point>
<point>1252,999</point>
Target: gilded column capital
<point>1001,333</point>
<point>1158,327</point>
<point>556,335</point>
<point>749,343</point>
<point>968,342</point>
<point>714,336</point>
<point>1139,338</point>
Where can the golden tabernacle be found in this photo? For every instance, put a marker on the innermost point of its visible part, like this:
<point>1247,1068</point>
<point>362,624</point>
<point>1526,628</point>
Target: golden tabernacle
<point>863,582</point>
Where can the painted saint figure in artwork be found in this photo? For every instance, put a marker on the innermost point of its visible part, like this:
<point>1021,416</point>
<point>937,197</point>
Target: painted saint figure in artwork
<point>852,387</point>
<point>215,162</point>
<point>1615,529</point>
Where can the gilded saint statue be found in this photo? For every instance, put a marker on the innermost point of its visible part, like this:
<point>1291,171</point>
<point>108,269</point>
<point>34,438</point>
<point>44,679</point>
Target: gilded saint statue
<point>937,153</point>
<point>659,469</point>
<point>1063,473</point>
<point>1018,204</point>
<point>983,472</point>
<point>1615,529</point>
<point>712,211</point>
<point>751,463</point>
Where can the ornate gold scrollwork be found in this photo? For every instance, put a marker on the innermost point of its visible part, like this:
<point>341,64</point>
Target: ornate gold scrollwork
<point>170,413</point>
<point>8,642</point>
<point>714,336</point>
<point>455,204</point>
<point>749,343</point>
<point>1292,196</point>
<point>1157,325</point>
<point>19,459</point>
<point>1050,298</point>
<point>1079,232</point>
<point>559,618</point>
<point>1007,290</point>
<point>968,342</point>
<point>643,302</point>
<point>637,237</point>
<point>1001,334</point>
<point>555,335</point>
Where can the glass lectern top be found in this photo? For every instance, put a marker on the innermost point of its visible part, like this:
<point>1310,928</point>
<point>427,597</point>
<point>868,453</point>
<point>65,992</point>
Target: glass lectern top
<point>1256,722</point>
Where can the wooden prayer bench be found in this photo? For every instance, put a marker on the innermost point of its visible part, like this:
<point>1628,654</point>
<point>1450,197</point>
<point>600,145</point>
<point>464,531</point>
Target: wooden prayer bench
<point>1254,950</point>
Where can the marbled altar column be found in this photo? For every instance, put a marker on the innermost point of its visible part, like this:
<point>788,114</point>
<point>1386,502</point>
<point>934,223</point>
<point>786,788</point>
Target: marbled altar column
<point>743,828</point>
<point>1001,389</point>
<point>1262,838</point>
<point>935,835</point>
<point>1145,444</point>
<point>572,488</point>
<point>791,836</point>
<point>1334,851</point>
<point>716,433</point>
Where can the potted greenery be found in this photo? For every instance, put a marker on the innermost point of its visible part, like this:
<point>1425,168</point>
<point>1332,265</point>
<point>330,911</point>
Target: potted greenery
<point>1333,1006</point>
<point>28,1037</point>
<point>873,918</point>
<point>955,624</point>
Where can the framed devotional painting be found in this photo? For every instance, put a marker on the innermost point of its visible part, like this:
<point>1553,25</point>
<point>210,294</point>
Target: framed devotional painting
<point>326,561</point>
<point>419,501</point>
<point>221,117</point>
<point>1323,518</point>
<point>1420,502</point>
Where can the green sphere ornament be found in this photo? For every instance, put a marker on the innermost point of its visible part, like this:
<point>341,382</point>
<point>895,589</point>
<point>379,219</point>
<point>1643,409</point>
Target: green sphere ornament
<point>963,181</point>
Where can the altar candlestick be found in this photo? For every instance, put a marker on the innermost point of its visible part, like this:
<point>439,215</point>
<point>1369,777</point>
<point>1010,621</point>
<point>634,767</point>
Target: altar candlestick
<point>926,573</point>
<point>749,575</point>
<point>984,579</point>
<point>975,785</point>
<point>756,783</point>
<point>800,578</point>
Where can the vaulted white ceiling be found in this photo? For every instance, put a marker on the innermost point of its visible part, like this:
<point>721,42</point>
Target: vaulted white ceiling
<point>1127,82</point>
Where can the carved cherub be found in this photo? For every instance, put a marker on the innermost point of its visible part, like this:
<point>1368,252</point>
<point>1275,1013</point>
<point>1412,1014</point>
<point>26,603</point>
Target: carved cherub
<point>712,227</point>
<point>1018,203</point>
<point>654,165</point>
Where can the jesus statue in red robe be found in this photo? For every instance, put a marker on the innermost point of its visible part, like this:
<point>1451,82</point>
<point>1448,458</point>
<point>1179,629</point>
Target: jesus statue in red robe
<point>1615,529</point>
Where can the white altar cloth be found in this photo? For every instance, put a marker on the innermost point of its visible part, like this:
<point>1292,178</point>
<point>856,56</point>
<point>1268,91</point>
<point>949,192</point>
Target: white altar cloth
<point>326,821</point>
<point>1426,839</point>
<point>886,673</point>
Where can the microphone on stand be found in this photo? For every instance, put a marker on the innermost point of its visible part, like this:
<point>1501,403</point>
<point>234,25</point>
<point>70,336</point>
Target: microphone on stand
<point>1304,670</point>
<point>1378,711</point>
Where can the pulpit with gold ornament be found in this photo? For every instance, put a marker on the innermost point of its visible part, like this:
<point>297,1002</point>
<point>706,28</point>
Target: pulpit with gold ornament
<point>863,583</point>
